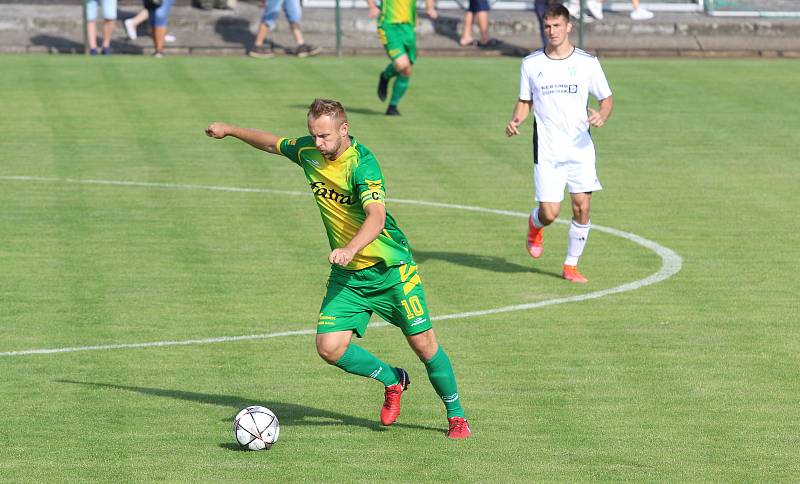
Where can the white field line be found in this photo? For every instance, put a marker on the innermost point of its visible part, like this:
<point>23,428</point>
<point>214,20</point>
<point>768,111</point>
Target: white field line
<point>671,264</point>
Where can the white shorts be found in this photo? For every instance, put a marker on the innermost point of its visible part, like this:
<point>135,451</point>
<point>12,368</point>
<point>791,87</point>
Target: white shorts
<point>550,179</point>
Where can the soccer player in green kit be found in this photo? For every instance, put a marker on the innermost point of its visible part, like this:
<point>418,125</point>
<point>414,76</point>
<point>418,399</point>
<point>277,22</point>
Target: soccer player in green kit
<point>396,22</point>
<point>372,269</point>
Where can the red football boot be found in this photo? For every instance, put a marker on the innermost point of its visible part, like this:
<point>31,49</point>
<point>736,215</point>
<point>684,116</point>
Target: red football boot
<point>459,428</point>
<point>535,237</point>
<point>391,403</point>
<point>571,274</point>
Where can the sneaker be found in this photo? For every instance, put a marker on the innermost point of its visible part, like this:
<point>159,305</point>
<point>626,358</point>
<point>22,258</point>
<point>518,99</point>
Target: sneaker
<point>169,38</point>
<point>392,110</point>
<point>93,51</point>
<point>535,237</point>
<point>642,13</point>
<point>130,30</point>
<point>391,403</point>
<point>459,428</point>
<point>107,51</point>
<point>595,8</point>
<point>571,274</point>
<point>262,51</point>
<point>158,55</point>
<point>306,50</point>
<point>383,87</point>
<point>574,8</point>
<point>575,11</point>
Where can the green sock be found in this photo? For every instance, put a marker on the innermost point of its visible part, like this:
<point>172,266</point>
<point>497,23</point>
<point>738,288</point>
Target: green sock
<point>399,89</point>
<point>440,373</point>
<point>358,361</point>
<point>389,72</point>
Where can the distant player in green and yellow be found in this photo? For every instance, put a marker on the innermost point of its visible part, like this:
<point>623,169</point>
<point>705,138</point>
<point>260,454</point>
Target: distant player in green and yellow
<point>396,22</point>
<point>372,269</point>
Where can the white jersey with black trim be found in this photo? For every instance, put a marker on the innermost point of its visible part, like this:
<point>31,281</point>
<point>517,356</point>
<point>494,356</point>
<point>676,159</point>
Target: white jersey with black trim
<point>559,89</point>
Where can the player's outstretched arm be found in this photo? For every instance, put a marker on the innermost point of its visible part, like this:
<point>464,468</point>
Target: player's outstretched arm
<point>369,231</point>
<point>521,111</point>
<point>254,137</point>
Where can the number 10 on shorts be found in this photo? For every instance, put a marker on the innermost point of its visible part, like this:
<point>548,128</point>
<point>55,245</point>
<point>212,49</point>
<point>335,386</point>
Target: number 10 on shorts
<point>413,307</point>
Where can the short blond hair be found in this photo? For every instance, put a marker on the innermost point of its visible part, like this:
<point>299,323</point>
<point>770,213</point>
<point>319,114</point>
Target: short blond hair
<point>327,107</point>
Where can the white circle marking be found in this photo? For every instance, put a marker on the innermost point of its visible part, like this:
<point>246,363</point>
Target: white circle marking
<point>671,264</point>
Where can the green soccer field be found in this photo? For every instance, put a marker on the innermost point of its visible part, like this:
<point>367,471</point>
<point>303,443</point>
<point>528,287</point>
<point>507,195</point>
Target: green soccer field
<point>154,281</point>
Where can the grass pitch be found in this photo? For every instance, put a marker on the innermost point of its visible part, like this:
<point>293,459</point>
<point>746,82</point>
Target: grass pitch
<point>694,378</point>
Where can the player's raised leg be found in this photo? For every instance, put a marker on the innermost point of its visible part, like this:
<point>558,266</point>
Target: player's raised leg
<point>337,349</point>
<point>542,216</point>
<point>535,234</point>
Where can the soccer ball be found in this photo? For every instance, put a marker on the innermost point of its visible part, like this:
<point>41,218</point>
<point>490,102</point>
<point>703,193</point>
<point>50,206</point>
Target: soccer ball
<point>256,428</point>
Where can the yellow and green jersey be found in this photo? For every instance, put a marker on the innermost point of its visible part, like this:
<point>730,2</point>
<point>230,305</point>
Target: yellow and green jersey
<point>398,12</point>
<point>342,188</point>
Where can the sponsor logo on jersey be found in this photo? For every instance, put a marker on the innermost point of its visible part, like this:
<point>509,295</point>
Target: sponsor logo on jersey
<point>559,89</point>
<point>320,190</point>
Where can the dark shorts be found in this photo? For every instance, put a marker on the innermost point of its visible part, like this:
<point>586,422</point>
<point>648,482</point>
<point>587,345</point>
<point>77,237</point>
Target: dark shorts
<point>478,6</point>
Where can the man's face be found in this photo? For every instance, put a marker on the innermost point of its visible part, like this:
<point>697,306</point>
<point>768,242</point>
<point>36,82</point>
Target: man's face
<point>328,137</point>
<point>557,30</point>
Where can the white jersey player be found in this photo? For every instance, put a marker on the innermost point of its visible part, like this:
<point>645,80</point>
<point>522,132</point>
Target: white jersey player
<point>557,82</point>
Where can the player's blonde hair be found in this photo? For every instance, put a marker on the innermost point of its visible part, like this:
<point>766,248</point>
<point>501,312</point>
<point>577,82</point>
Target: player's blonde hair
<point>327,107</point>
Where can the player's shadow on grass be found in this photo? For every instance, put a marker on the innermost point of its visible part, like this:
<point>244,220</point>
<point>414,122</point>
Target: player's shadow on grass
<point>349,109</point>
<point>288,413</point>
<point>61,45</point>
<point>234,30</point>
<point>482,262</point>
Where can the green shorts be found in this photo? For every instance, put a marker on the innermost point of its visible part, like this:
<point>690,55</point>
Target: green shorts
<point>398,39</point>
<point>393,293</point>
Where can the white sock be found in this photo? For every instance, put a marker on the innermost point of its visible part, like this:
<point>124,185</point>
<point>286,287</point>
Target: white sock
<point>535,218</point>
<point>576,241</point>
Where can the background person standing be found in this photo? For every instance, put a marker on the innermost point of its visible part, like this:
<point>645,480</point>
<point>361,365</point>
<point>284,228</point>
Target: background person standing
<point>109,18</point>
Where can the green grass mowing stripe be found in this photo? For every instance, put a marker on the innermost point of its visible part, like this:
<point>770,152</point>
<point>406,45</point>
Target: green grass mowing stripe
<point>691,379</point>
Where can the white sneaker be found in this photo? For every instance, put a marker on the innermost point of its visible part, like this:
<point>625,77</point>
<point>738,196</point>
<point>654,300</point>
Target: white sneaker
<point>169,38</point>
<point>130,30</point>
<point>574,8</point>
<point>595,8</point>
<point>642,13</point>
